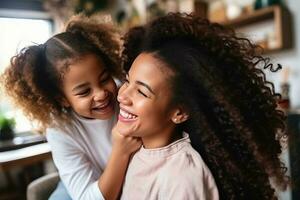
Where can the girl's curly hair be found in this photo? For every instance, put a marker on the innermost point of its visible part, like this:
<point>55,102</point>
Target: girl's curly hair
<point>35,75</point>
<point>234,122</point>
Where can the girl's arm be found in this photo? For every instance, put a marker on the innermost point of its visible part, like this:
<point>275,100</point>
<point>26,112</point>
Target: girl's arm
<point>77,171</point>
<point>110,182</point>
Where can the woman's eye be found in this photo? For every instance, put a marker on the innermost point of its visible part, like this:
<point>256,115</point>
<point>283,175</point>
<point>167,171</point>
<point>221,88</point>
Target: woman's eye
<point>83,93</point>
<point>142,93</point>
<point>126,81</point>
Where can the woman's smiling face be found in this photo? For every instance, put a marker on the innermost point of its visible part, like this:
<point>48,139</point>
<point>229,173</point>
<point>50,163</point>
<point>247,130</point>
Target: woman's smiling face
<point>145,98</point>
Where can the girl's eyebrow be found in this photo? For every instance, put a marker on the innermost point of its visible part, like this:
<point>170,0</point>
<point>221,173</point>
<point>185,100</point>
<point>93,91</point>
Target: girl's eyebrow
<point>83,85</point>
<point>80,86</point>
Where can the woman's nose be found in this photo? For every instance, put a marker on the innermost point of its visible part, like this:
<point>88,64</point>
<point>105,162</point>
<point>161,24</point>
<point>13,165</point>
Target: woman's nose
<point>123,96</point>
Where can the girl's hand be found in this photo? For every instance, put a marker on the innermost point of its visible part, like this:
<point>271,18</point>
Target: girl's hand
<point>124,144</point>
<point>111,180</point>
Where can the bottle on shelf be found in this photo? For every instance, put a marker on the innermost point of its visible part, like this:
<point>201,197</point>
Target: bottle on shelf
<point>284,102</point>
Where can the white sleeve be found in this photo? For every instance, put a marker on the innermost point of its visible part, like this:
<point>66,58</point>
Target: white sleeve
<point>74,167</point>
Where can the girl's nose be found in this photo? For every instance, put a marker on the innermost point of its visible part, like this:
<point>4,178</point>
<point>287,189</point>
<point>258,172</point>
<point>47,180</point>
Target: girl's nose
<point>123,96</point>
<point>100,95</point>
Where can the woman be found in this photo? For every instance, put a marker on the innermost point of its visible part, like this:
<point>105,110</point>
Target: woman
<point>192,81</point>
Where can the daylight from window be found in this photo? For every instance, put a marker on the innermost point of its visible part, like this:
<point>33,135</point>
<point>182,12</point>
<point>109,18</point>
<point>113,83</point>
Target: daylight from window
<point>16,33</point>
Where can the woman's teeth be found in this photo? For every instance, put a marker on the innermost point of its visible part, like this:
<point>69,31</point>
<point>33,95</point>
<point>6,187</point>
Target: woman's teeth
<point>127,115</point>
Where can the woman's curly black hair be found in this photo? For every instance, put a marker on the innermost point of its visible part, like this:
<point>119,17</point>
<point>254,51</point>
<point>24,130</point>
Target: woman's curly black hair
<point>35,75</point>
<point>234,121</point>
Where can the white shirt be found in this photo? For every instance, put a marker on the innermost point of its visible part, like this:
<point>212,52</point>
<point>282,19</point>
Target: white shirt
<point>173,172</point>
<point>81,153</point>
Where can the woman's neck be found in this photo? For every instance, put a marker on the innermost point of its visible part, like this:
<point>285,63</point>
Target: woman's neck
<point>160,140</point>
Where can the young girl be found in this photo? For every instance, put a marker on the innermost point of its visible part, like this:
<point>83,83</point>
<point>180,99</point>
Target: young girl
<point>192,83</point>
<point>67,85</point>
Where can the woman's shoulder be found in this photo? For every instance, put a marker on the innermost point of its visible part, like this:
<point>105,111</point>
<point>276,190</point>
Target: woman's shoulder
<point>187,166</point>
<point>187,161</point>
<point>189,175</point>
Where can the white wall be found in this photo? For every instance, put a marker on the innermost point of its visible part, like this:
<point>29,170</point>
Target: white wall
<point>287,58</point>
<point>290,58</point>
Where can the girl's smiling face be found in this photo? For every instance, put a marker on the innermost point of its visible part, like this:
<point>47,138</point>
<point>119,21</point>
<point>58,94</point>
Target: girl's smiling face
<point>145,99</point>
<point>89,88</point>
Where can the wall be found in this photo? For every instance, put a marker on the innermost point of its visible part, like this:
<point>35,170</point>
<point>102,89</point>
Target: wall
<point>290,58</point>
<point>23,9</point>
<point>287,58</point>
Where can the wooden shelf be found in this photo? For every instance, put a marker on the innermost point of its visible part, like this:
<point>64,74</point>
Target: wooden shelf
<point>254,17</point>
<point>282,25</point>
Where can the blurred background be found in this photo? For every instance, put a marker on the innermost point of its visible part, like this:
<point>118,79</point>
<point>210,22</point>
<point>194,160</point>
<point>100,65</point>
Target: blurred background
<point>273,24</point>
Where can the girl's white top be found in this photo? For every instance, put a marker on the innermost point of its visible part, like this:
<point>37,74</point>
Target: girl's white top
<point>80,153</point>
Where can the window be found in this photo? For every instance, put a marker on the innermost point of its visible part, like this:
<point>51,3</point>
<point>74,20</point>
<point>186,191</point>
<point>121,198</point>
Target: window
<point>15,34</point>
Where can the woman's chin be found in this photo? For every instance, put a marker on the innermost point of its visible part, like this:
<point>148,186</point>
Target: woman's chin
<point>128,129</point>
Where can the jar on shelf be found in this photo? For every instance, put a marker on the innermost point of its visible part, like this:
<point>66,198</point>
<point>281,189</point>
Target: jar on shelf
<point>233,11</point>
<point>264,3</point>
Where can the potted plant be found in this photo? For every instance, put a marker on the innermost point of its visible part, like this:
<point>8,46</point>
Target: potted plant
<point>6,128</point>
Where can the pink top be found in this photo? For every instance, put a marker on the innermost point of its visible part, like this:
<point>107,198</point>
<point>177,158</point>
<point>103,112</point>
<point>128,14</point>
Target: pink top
<point>176,171</point>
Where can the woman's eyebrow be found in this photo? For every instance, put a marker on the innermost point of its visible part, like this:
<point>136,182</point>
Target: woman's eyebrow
<point>145,85</point>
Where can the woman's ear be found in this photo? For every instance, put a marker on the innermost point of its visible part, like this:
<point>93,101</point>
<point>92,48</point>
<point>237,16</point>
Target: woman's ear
<point>180,115</point>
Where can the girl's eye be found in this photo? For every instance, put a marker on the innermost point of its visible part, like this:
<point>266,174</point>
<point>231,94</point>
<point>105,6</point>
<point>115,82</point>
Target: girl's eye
<point>83,93</point>
<point>105,79</point>
<point>142,93</point>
